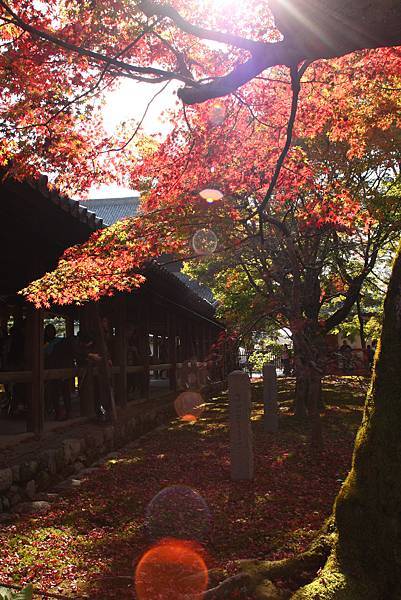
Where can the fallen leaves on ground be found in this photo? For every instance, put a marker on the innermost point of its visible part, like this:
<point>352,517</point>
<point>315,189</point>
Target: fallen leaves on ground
<point>96,533</point>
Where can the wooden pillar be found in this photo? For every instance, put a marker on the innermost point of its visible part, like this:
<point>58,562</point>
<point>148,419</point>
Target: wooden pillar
<point>202,340</point>
<point>104,370</point>
<point>194,338</point>
<point>188,340</point>
<point>69,326</point>
<point>172,349</point>
<point>198,339</point>
<point>144,312</point>
<point>178,322</point>
<point>184,337</point>
<point>224,362</point>
<point>121,307</point>
<point>86,385</point>
<point>155,347</point>
<point>69,333</point>
<point>104,389</point>
<point>210,339</point>
<point>35,341</point>
<point>87,393</point>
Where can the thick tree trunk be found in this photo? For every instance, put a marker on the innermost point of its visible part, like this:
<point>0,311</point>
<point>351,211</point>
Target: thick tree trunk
<point>366,563</point>
<point>313,407</point>
<point>361,323</point>
<point>301,394</point>
<point>308,387</point>
<point>303,391</point>
<point>301,380</point>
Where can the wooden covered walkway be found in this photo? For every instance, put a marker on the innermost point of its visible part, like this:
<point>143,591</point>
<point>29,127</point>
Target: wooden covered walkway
<point>144,337</point>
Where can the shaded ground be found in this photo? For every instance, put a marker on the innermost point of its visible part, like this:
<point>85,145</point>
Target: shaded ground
<point>90,541</point>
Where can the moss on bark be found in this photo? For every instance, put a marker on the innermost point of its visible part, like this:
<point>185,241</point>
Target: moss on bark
<point>332,582</point>
<point>368,507</point>
<point>365,564</point>
<point>365,558</point>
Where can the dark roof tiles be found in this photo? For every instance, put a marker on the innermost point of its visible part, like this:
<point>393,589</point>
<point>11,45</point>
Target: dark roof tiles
<point>112,209</point>
<point>198,288</point>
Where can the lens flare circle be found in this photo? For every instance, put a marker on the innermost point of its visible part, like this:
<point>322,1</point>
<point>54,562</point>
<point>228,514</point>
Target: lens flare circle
<point>172,570</point>
<point>204,242</point>
<point>211,195</point>
<point>189,404</point>
<point>178,512</point>
<point>217,114</point>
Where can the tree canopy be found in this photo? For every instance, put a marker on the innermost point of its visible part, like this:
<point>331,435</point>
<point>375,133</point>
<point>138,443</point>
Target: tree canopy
<point>338,176</point>
<point>59,57</point>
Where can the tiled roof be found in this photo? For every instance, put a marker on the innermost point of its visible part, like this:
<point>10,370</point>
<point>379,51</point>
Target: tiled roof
<point>198,288</point>
<point>188,296</point>
<point>112,209</point>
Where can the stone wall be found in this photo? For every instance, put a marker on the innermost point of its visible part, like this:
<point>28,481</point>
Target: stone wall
<point>51,462</point>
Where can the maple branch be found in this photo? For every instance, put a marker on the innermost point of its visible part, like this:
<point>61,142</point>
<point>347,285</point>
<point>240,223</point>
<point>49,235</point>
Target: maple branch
<point>150,8</point>
<point>353,290</point>
<point>296,76</point>
<point>251,279</point>
<point>98,56</point>
<point>252,112</point>
<point>278,53</point>
<point>94,86</point>
<point>103,73</point>
<point>263,56</point>
<point>311,31</point>
<point>180,57</point>
<point>350,299</point>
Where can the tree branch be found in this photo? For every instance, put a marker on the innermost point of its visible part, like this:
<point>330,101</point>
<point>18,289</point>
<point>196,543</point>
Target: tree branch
<point>99,57</point>
<point>251,280</point>
<point>267,55</point>
<point>296,76</point>
<point>151,9</point>
<point>312,31</point>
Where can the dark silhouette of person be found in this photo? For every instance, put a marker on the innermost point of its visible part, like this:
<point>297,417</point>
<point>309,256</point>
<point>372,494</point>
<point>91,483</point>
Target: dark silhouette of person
<point>14,361</point>
<point>59,353</point>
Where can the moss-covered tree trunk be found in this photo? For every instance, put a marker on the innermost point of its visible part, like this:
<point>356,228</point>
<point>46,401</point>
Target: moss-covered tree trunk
<point>365,534</point>
<point>366,562</point>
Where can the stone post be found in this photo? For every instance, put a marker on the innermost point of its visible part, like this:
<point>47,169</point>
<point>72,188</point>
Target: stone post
<point>270,398</point>
<point>241,450</point>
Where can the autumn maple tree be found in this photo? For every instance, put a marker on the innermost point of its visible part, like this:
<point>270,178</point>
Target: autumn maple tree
<point>257,145</point>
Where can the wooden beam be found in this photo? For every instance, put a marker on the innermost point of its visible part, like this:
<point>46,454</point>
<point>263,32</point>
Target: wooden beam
<point>121,307</point>
<point>144,310</point>
<point>172,349</point>
<point>86,387</point>
<point>69,326</point>
<point>104,366</point>
<point>86,384</point>
<point>37,386</point>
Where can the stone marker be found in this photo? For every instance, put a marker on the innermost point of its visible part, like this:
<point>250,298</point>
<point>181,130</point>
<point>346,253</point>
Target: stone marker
<point>241,451</point>
<point>270,398</point>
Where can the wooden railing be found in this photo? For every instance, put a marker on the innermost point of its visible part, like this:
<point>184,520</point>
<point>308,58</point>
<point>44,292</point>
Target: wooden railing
<point>71,372</point>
